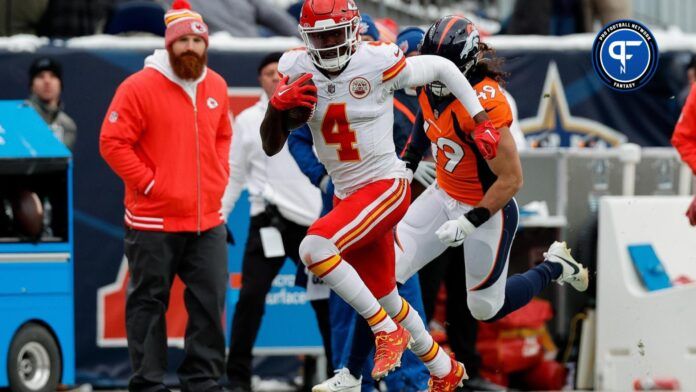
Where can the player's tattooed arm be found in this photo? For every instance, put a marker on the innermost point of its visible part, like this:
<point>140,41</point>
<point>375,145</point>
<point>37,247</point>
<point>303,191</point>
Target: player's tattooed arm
<point>508,169</point>
<point>274,132</point>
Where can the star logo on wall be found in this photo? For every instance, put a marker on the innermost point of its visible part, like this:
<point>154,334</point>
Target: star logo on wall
<point>555,126</point>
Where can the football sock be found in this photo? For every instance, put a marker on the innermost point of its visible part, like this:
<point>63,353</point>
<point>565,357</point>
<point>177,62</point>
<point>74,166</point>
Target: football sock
<point>345,281</point>
<point>521,288</point>
<point>423,345</point>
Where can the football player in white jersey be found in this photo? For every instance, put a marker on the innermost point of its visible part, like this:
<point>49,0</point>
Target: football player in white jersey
<point>472,201</point>
<point>352,247</point>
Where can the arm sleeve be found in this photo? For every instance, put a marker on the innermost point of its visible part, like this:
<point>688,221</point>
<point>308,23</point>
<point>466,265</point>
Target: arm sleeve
<point>120,132</point>
<point>416,145</point>
<point>684,137</point>
<point>275,19</point>
<point>237,171</point>
<point>300,143</point>
<point>421,70</point>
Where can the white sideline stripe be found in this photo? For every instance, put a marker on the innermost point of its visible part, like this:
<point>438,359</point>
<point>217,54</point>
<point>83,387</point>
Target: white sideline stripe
<point>366,211</point>
<point>381,217</point>
<point>142,225</point>
<point>144,219</point>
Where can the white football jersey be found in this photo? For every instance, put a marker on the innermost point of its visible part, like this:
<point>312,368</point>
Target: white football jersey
<point>352,125</point>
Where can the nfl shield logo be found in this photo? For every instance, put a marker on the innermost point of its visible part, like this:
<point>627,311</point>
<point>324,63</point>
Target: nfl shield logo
<point>436,113</point>
<point>332,88</point>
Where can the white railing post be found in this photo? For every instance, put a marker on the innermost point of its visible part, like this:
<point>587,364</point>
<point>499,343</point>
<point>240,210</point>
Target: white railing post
<point>629,157</point>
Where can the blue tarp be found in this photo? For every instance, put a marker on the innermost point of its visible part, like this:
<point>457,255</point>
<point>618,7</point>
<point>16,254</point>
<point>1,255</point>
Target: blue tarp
<point>24,135</point>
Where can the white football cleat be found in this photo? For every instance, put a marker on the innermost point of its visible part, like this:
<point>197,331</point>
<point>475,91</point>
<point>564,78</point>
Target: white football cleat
<point>573,273</point>
<point>342,381</point>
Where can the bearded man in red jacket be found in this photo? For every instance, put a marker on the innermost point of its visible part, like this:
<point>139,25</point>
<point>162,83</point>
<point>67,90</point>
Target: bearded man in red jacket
<point>167,135</point>
<point>684,139</point>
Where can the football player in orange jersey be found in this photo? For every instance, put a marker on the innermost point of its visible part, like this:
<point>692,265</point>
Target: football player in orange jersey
<point>472,201</point>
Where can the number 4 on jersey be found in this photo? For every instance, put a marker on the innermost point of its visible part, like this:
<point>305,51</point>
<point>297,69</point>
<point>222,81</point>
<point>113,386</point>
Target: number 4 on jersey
<point>336,131</point>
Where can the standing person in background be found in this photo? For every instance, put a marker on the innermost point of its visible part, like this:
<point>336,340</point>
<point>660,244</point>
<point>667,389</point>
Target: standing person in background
<point>72,18</point>
<point>242,18</point>
<point>21,17</point>
<point>604,11</point>
<point>167,135</point>
<point>282,200</point>
<point>46,85</point>
<point>684,140</point>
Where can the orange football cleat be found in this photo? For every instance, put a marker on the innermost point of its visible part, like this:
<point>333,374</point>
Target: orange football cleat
<point>388,349</point>
<point>451,381</point>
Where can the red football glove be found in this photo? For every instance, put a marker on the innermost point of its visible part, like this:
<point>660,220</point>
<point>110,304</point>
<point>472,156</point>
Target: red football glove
<point>691,212</point>
<point>486,138</point>
<point>288,96</point>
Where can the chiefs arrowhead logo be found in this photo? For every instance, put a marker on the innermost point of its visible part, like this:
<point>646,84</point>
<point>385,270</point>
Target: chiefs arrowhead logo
<point>212,103</point>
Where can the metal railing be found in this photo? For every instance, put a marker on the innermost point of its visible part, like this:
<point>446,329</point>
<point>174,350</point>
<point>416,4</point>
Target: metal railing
<point>657,13</point>
<point>665,13</point>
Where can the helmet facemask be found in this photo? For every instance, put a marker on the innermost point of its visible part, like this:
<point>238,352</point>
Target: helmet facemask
<point>331,45</point>
<point>440,90</point>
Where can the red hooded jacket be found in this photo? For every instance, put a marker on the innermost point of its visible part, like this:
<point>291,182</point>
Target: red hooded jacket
<point>684,137</point>
<point>169,141</point>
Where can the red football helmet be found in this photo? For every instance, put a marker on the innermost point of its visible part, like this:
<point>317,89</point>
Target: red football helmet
<point>329,29</point>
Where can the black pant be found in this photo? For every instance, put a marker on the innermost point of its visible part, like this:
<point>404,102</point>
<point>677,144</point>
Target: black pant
<point>258,273</point>
<point>154,259</point>
<point>461,326</point>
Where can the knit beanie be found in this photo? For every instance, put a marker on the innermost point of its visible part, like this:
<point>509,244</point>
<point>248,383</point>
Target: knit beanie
<point>45,64</point>
<point>273,57</point>
<point>181,21</point>
<point>368,27</point>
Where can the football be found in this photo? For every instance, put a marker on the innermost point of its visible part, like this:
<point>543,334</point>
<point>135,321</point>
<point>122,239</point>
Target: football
<point>27,211</point>
<point>298,116</point>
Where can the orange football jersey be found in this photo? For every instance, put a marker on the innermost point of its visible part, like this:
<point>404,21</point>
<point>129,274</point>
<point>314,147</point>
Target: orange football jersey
<point>461,170</point>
